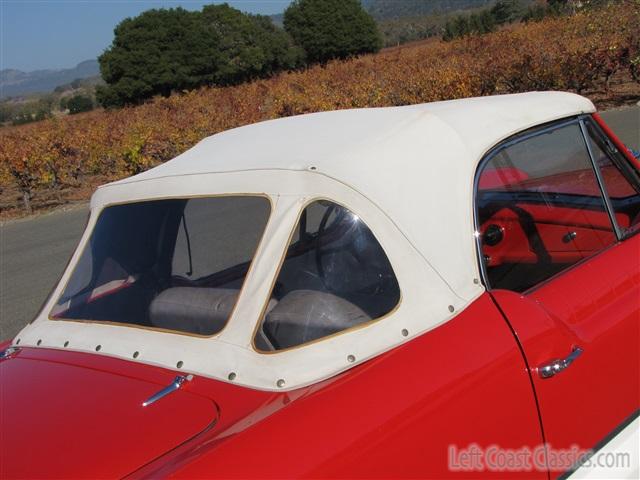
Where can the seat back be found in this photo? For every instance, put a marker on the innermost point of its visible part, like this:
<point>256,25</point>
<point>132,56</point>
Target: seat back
<point>305,315</point>
<point>202,311</point>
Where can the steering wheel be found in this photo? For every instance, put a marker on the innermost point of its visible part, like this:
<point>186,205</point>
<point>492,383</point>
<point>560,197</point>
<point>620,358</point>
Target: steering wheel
<point>361,267</point>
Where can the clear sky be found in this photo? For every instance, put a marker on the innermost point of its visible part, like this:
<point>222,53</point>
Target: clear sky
<point>41,34</point>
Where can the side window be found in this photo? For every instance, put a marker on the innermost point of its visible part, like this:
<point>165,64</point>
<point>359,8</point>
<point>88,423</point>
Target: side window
<point>619,179</point>
<point>335,276</point>
<point>540,208</point>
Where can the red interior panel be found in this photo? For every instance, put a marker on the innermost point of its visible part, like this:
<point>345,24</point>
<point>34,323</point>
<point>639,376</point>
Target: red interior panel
<point>566,234</point>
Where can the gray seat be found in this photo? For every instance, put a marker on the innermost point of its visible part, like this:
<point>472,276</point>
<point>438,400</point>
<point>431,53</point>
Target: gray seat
<point>305,315</point>
<point>203,311</point>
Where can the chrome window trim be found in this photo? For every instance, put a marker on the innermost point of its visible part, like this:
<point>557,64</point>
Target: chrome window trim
<point>626,170</point>
<point>601,184</point>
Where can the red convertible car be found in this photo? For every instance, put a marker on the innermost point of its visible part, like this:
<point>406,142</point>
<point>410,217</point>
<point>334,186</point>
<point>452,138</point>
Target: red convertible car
<point>429,291</point>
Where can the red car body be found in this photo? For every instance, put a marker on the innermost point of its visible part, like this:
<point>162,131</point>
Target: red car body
<point>474,380</point>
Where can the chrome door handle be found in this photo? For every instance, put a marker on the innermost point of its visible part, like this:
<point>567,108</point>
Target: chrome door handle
<point>172,387</point>
<point>556,366</point>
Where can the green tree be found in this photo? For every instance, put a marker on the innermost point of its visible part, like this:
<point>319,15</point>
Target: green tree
<point>32,111</point>
<point>6,112</point>
<point>79,103</point>
<point>506,11</point>
<point>148,56</point>
<point>462,26</point>
<point>535,13</point>
<point>448,33</point>
<point>487,21</point>
<point>329,29</point>
<point>244,46</point>
<point>475,24</point>
<point>167,50</point>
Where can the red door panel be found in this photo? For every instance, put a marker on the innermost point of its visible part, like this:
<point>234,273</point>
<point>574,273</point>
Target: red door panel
<point>594,306</point>
<point>567,234</point>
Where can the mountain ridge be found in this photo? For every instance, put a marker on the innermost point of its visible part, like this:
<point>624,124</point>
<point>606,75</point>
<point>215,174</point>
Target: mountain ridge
<point>14,82</point>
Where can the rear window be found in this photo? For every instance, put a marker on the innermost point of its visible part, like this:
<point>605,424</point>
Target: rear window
<point>174,264</point>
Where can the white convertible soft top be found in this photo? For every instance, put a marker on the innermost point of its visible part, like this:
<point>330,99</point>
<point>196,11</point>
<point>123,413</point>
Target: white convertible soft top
<point>408,172</point>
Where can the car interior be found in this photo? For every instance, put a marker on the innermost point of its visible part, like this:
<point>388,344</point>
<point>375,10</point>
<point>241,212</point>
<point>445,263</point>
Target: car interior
<point>540,212</point>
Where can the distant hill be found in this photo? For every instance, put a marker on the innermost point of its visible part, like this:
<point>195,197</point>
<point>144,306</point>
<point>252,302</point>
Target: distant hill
<point>394,9</point>
<point>16,82</point>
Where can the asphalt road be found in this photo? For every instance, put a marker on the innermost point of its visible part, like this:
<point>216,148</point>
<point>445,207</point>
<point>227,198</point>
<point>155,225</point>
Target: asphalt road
<point>34,252</point>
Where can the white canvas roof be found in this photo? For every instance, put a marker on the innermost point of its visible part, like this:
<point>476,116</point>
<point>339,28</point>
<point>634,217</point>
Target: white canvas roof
<point>407,171</point>
<point>401,158</point>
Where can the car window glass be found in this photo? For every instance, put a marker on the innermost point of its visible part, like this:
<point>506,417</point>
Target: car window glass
<point>540,209</point>
<point>335,276</point>
<point>170,264</point>
<point>215,247</point>
<point>624,195</point>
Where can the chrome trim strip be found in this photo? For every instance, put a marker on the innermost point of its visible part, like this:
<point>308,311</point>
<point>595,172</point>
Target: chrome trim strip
<point>601,184</point>
<point>628,171</point>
